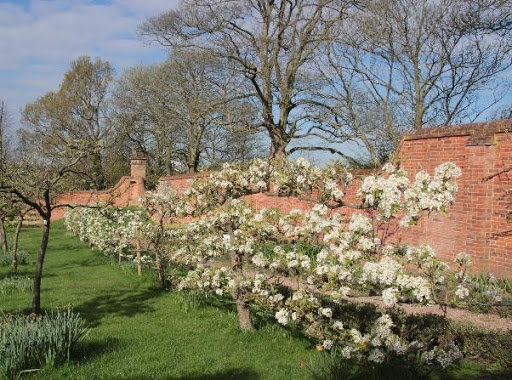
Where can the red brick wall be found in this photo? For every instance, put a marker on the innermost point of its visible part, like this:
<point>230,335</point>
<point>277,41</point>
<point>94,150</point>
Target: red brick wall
<point>479,220</point>
<point>127,192</point>
<point>480,223</point>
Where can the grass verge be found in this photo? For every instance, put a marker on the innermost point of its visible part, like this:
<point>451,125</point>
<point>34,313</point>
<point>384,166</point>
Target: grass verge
<point>138,331</point>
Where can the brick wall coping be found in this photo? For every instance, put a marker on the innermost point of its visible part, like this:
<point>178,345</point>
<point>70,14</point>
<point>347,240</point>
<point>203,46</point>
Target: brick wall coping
<point>119,184</point>
<point>184,176</point>
<point>354,172</point>
<point>362,172</point>
<point>480,133</point>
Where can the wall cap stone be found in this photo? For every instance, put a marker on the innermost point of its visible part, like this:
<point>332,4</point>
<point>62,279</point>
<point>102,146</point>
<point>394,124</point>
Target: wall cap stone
<point>184,176</point>
<point>479,133</point>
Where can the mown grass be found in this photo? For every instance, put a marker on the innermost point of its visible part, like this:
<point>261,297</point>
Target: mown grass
<point>138,331</point>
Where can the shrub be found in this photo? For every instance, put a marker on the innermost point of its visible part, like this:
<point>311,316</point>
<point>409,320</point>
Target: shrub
<point>23,257</point>
<point>488,291</point>
<point>331,365</point>
<point>6,260</point>
<point>15,284</point>
<point>31,343</point>
<point>489,347</point>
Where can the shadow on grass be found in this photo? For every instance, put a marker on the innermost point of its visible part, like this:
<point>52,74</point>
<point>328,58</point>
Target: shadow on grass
<point>233,373</point>
<point>330,366</point>
<point>90,350</point>
<point>85,262</point>
<point>118,303</point>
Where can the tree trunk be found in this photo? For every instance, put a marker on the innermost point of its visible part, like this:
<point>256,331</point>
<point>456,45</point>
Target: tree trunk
<point>279,149</point>
<point>158,256</point>
<point>14,267</point>
<point>99,172</point>
<point>36,300</point>
<point>3,236</point>
<point>137,249</point>
<point>193,160</point>
<point>161,269</point>
<point>244,313</point>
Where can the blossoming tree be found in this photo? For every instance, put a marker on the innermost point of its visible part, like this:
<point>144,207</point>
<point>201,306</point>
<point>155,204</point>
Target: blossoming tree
<point>223,249</point>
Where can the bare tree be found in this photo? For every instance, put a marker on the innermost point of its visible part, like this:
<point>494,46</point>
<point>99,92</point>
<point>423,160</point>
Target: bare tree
<point>184,113</point>
<point>398,64</point>
<point>269,43</point>
<point>142,117</point>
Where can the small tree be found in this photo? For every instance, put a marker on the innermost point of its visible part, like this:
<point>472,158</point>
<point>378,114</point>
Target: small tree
<point>162,205</point>
<point>36,183</point>
<point>54,143</point>
<point>3,162</point>
<point>15,210</point>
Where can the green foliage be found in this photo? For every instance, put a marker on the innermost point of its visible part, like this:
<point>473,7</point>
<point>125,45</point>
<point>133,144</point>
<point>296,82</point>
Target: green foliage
<point>15,284</point>
<point>310,250</point>
<point>491,348</point>
<point>488,349</point>
<point>6,260</point>
<point>22,257</point>
<point>488,291</point>
<point>330,365</point>
<point>28,343</point>
<point>190,300</point>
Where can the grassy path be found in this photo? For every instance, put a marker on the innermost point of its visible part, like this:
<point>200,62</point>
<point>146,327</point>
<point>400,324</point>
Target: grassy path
<point>140,332</point>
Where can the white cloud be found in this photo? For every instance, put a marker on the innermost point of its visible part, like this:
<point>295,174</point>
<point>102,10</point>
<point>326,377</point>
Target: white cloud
<point>40,39</point>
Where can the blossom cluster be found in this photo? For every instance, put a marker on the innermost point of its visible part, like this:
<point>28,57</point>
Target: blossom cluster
<point>112,231</point>
<point>223,249</point>
<point>394,194</point>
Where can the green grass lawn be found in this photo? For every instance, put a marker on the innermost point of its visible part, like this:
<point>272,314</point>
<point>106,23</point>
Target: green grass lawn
<point>140,332</point>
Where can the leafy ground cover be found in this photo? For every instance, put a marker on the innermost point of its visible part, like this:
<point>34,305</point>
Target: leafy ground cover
<point>140,332</point>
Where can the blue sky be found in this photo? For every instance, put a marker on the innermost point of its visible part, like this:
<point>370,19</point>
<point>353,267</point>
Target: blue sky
<point>40,38</point>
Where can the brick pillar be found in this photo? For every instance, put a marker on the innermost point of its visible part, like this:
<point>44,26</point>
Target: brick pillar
<point>138,167</point>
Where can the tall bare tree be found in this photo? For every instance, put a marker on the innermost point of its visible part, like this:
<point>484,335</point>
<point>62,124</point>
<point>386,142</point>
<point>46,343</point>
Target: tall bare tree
<point>398,64</point>
<point>269,43</point>
<point>184,113</point>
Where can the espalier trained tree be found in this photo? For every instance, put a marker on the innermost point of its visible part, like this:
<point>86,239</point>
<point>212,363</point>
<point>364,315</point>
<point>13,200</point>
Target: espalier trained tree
<point>223,249</point>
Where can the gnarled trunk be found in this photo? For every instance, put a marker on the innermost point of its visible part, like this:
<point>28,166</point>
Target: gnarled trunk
<point>244,313</point>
